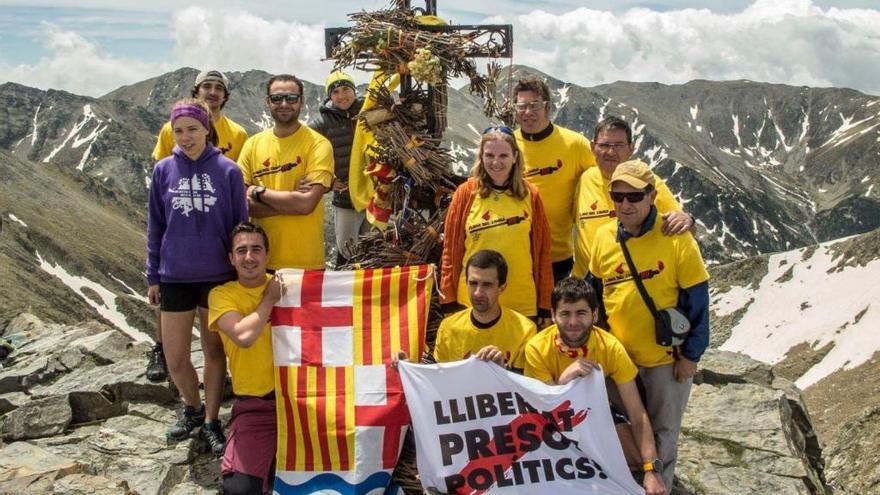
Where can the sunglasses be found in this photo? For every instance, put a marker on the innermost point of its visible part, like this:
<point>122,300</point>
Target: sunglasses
<point>499,128</point>
<point>291,99</point>
<point>632,197</point>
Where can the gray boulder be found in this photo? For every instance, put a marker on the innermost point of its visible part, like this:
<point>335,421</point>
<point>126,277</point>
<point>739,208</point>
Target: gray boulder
<point>745,431</point>
<point>36,419</point>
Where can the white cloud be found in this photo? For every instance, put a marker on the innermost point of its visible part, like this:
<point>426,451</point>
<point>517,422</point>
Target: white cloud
<point>78,65</point>
<point>784,41</point>
<point>238,40</point>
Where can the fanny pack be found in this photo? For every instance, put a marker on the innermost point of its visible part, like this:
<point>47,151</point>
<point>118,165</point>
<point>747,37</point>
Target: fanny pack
<point>671,326</point>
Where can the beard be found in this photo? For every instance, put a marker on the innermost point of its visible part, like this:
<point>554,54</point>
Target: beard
<point>286,118</point>
<point>575,343</point>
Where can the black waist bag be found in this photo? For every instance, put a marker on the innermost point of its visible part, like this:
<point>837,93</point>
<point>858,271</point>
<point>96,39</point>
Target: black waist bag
<point>671,326</point>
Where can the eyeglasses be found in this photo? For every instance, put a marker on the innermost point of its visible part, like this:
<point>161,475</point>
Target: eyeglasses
<point>291,99</point>
<point>611,146</point>
<point>499,128</point>
<point>632,197</point>
<point>531,105</point>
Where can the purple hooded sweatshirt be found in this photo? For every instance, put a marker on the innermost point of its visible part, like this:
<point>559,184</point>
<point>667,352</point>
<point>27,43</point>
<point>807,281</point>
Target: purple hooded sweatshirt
<point>193,207</point>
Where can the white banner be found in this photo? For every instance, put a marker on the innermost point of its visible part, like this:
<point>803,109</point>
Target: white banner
<point>481,429</point>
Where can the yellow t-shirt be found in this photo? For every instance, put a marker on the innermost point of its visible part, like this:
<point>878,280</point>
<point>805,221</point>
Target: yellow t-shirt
<point>666,265</point>
<point>230,139</point>
<point>295,241</point>
<point>555,164</point>
<point>503,223</point>
<point>594,208</point>
<point>458,337</point>
<point>251,367</point>
<point>545,361</point>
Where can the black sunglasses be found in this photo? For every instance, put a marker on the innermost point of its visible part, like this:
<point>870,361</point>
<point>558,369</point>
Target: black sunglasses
<point>632,197</point>
<point>499,128</point>
<point>289,98</point>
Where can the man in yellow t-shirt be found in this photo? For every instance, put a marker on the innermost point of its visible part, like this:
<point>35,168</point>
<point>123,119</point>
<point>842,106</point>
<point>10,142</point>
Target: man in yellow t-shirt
<point>487,330</point>
<point>212,87</point>
<point>274,163</point>
<point>674,275</point>
<point>612,145</point>
<point>239,311</point>
<point>554,159</point>
<point>573,347</point>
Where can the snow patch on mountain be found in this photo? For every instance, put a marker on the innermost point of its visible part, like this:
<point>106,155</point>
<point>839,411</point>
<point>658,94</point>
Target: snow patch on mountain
<point>806,297</point>
<point>842,134</point>
<point>265,121</point>
<point>87,116</point>
<point>17,220</point>
<point>562,93</point>
<point>35,132</point>
<point>736,130</point>
<point>106,307</point>
<point>131,292</point>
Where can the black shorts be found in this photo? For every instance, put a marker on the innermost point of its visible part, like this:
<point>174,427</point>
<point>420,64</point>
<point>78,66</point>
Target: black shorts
<point>184,296</point>
<point>619,417</point>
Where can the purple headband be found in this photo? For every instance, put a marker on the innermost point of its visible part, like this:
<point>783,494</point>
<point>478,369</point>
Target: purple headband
<point>194,111</point>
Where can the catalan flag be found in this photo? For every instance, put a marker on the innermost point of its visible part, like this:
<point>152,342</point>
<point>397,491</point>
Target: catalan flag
<point>340,407</point>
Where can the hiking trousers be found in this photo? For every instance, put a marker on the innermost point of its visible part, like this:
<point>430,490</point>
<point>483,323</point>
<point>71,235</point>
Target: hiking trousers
<point>665,402</point>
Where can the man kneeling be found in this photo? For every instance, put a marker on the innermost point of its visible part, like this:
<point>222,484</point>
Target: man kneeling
<point>573,347</point>
<point>240,311</point>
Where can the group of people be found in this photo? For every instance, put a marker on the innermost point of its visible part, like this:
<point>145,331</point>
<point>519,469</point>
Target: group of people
<point>563,255</point>
<point>218,199</point>
<point>557,252</point>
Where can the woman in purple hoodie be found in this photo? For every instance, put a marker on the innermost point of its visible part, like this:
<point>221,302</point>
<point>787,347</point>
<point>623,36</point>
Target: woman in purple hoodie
<point>196,198</point>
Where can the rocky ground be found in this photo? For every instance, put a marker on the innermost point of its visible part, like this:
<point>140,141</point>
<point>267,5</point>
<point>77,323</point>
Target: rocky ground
<point>80,418</point>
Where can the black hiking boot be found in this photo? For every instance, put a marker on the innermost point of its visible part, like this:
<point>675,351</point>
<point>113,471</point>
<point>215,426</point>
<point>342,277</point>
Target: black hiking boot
<point>212,434</point>
<point>190,420</point>
<point>157,368</point>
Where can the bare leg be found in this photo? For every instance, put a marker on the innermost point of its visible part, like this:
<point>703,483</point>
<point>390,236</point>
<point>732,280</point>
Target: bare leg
<point>158,325</point>
<point>177,326</point>
<point>630,449</point>
<point>215,367</point>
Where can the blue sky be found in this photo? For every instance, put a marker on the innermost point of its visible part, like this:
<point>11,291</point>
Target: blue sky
<point>92,47</point>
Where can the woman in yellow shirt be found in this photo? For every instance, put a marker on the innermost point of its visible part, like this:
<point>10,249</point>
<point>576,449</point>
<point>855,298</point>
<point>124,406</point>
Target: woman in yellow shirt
<point>497,209</point>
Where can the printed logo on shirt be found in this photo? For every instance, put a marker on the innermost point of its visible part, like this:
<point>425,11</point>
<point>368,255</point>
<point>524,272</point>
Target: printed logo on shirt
<point>226,149</point>
<point>623,274</point>
<point>191,194</point>
<point>269,169</point>
<point>491,223</point>
<point>544,170</point>
<point>596,212</point>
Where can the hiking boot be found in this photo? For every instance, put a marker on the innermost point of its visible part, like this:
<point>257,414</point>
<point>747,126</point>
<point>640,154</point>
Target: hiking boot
<point>212,434</point>
<point>157,368</point>
<point>190,420</point>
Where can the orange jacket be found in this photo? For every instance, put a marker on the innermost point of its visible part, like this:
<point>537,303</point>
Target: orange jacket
<point>453,244</point>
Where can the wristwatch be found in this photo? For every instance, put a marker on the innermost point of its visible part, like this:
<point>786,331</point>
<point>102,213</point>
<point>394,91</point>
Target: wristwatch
<point>257,193</point>
<point>656,466</point>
